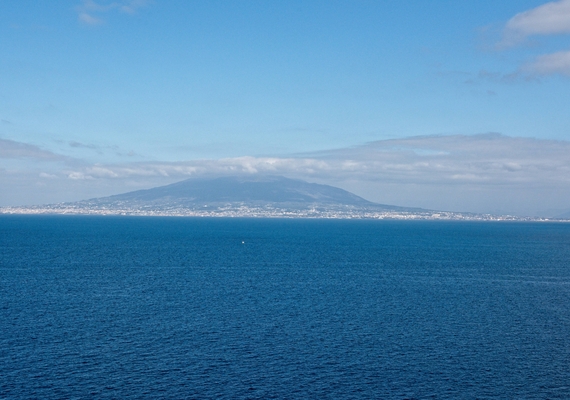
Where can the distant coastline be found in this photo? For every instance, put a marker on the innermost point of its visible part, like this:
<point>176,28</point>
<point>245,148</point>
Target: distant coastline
<point>244,211</point>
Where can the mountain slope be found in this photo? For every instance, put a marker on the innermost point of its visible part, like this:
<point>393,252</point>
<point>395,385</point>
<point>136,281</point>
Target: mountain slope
<point>254,190</point>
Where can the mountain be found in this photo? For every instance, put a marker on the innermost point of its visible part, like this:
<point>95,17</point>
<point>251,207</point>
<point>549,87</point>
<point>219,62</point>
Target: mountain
<point>251,196</point>
<point>276,191</point>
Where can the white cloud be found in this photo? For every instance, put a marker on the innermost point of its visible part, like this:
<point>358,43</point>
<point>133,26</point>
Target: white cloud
<point>547,19</point>
<point>552,18</point>
<point>556,63</point>
<point>78,175</point>
<point>47,176</point>
<point>89,11</point>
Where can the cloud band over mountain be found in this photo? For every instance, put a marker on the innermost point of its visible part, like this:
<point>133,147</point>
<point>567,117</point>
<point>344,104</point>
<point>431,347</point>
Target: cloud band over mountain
<point>426,171</point>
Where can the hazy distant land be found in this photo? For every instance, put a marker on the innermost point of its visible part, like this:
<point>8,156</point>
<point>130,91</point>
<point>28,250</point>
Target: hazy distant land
<point>262,197</point>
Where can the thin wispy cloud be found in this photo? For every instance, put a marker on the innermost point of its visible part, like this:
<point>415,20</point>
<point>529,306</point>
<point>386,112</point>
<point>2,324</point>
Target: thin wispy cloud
<point>91,12</point>
<point>10,149</point>
<point>75,144</point>
<point>102,150</point>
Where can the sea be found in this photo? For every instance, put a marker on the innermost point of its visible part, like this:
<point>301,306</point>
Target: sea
<point>204,308</point>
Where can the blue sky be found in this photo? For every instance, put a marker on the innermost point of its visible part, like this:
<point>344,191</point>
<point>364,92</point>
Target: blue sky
<point>124,84</point>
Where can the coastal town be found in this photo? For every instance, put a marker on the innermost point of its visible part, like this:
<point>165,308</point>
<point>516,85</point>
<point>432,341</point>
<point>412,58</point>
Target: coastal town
<point>267,211</point>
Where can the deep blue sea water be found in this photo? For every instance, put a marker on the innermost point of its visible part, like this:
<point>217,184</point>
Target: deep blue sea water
<point>127,307</point>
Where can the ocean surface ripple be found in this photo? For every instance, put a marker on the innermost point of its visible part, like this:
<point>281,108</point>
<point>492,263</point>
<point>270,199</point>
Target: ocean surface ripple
<point>129,307</point>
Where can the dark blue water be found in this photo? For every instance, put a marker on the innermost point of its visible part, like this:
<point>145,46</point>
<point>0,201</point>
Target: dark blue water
<point>180,308</point>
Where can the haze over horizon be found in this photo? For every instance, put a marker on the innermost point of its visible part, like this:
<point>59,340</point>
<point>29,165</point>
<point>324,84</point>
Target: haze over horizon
<point>458,106</point>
